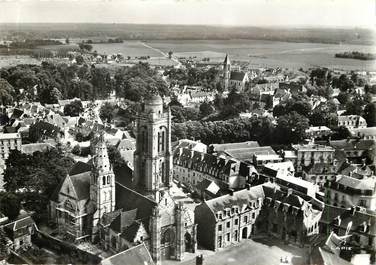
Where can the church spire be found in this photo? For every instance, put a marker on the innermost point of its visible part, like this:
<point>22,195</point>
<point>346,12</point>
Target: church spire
<point>102,183</point>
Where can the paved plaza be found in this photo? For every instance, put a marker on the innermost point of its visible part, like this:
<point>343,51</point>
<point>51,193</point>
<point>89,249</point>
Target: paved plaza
<point>264,251</point>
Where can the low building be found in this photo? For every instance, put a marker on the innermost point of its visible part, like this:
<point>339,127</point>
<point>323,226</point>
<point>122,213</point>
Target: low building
<point>218,148</point>
<point>318,132</point>
<point>352,121</point>
<point>18,232</point>
<point>260,209</point>
<point>228,219</point>
<point>356,223</point>
<point>191,167</point>
<point>9,141</point>
<point>368,133</point>
<point>355,150</point>
<point>192,145</point>
<point>309,154</point>
<point>319,173</point>
<point>346,191</point>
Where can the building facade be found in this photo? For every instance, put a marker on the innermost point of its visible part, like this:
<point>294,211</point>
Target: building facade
<point>352,121</point>
<point>310,154</point>
<point>346,192</point>
<point>9,141</point>
<point>191,167</point>
<point>262,209</point>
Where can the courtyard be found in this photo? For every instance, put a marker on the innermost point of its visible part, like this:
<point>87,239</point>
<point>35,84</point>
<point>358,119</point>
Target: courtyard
<point>260,251</point>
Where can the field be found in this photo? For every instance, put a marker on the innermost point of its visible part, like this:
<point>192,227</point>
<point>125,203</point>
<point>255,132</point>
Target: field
<point>271,53</point>
<point>258,53</point>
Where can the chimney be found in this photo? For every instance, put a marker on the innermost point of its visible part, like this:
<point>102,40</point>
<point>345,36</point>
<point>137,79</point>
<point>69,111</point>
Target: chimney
<point>353,210</point>
<point>231,192</point>
<point>289,191</point>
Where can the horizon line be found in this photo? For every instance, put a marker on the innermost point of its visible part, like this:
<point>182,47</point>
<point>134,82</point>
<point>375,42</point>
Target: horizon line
<point>207,25</point>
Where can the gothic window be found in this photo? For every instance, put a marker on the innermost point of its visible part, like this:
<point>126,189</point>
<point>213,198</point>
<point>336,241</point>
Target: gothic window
<point>108,179</point>
<point>168,236</point>
<point>104,180</point>
<point>163,172</point>
<point>144,140</point>
<point>159,141</point>
<point>163,140</point>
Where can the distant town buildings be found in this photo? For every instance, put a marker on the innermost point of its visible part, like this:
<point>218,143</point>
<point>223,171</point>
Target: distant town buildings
<point>352,122</point>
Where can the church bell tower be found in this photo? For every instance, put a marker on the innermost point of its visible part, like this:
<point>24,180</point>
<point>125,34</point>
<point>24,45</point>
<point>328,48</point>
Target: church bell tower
<point>102,182</point>
<point>153,156</point>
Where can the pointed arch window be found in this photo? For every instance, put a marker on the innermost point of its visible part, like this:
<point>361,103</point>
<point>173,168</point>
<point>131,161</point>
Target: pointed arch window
<point>108,179</point>
<point>104,180</point>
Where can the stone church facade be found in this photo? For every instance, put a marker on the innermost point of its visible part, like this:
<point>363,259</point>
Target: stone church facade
<point>96,206</point>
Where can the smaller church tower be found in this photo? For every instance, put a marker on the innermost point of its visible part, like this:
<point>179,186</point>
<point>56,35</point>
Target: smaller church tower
<point>226,71</point>
<point>102,182</point>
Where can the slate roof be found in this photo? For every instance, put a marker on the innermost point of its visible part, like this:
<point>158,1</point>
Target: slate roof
<point>128,199</point>
<point>216,166</point>
<point>238,198</point>
<point>31,148</point>
<point>248,153</point>
<point>127,144</point>
<point>81,185</point>
<point>238,76</point>
<point>130,231</point>
<point>138,255</point>
<point>367,183</point>
<point>352,144</point>
<point>108,218</point>
<point>79,167</point>
<point>123,220</point>
<point>358,217</point>
<point>230,146</point>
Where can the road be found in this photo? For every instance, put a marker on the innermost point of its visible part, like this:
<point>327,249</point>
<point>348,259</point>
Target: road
<point>162,53</point>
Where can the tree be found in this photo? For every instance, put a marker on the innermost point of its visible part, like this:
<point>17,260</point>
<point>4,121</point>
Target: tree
<point>115,157</point>
<point>80,59</point>
<point>6,92</point>
<point>370,114</point>
<point>85,46</point>
<point>10,205</point>
<point>106,112</point>
<point>291,128</point>
<point>73,109</point>
<point>206,109</point>
<point>101,81</point>
<point>50,95</point>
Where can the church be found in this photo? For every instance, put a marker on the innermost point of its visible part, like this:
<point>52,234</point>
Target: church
<point>233,79</point>
<point>92,204</point>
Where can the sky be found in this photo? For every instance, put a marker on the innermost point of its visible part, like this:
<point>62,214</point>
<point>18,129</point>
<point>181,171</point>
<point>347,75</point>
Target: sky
<point>344,13</point>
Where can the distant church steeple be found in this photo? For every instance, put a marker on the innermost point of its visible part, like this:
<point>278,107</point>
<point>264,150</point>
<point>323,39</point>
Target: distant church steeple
<point>153,156</point>
<point>226,71</point>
